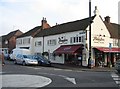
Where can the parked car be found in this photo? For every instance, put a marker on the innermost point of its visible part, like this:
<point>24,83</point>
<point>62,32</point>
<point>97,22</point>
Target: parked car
<point>117,65</point>
<point>25,60</point>
<point>42,60</point>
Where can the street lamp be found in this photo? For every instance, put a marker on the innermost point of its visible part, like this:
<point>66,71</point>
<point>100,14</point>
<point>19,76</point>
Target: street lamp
<point>89,59</point>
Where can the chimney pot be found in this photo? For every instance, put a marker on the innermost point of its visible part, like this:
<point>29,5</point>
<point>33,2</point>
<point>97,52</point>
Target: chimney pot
<point>107,19</point>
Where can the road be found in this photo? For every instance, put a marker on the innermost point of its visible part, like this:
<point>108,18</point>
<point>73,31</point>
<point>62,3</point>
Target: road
<point>18,76</point>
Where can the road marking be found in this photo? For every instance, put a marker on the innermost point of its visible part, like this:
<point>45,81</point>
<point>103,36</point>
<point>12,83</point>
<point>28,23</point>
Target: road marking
<point>116,78</point>
<point>37,68</point>
<point>57,69</point>
<point>114,75</point>
<point>71,80</point>
<point>117,82</point>
<point>2,73</point>
<point>68,70</point>
<point>79,71</point>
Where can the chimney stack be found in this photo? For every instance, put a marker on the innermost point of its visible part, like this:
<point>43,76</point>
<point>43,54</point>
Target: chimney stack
<point>107,19</point>
<point>44,23</point>
<point>96,11</point>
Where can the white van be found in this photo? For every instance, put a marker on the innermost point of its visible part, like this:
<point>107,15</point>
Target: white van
<point>17,51</point>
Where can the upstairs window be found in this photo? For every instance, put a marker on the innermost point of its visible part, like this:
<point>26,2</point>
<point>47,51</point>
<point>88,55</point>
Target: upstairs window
<point>26,41</point>
<point>51,42</point>
<point>38,43</point>
<point>19,41</point>
<point>115,42</point>
<point>77,39</point>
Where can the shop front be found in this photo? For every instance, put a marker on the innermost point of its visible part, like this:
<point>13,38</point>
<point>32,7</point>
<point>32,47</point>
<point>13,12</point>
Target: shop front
<point>72,54</point>
<point>106,56</point>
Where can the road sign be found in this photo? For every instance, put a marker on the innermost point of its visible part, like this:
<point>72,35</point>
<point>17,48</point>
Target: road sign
<point>110,45</point>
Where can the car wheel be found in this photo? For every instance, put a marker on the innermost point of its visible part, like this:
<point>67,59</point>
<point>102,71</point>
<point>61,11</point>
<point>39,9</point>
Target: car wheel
<point>118,71</point>
<point>39,63</point>
<point>23,63</point>
<point>15,62</point>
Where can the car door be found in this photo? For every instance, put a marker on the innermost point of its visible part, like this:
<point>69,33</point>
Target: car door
<point>18,58</point>
<point>21,59</point>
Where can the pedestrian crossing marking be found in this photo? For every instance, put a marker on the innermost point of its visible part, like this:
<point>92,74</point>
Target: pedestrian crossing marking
<point>117,82</point>
<point>116,78</point>
<point>114,75</point>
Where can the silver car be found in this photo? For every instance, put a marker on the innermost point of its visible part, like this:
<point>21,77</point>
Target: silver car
<point>25,60</point>
<point>117,65</point>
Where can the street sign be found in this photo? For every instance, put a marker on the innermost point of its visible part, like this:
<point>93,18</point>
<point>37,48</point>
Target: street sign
<point>110,45</point>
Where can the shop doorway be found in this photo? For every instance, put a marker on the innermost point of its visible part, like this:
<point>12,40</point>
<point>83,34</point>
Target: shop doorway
<point>73,59</point>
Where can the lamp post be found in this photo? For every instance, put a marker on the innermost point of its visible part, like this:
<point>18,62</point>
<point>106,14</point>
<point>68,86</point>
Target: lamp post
<point>89,59</point>
<point>110,46</point>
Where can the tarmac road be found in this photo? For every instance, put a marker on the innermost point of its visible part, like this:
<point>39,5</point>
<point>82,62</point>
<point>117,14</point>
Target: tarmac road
<point>32,76</point>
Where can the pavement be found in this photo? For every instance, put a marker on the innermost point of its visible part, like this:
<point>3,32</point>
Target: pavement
<point>81,68</point>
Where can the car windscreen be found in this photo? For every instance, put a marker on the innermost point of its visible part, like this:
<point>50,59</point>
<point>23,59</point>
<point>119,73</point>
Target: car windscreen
<point>41,58</point>
<point>31,57</point>
<point>25,56</point>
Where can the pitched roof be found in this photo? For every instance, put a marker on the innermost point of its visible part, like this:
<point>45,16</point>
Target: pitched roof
<point>66,27</point>
<point>8,36</point>
<point>31,32</point>
<point>114,29</point>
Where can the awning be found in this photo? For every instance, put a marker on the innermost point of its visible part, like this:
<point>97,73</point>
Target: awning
<point>68,49</point>
<point>108,49</point>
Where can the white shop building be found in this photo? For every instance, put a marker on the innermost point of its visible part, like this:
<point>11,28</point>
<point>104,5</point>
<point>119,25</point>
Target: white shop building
<point>69,42</point>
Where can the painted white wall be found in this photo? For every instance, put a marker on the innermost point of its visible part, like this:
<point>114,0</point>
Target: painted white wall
<point>97,28</point>
<point>98,31</point>
<point>38,49</point>
<point>66,35</point>
<point>52,48</point>
<point>26,45</point>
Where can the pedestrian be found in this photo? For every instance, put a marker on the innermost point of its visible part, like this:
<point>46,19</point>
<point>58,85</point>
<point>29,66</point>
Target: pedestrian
<point>2,58</point>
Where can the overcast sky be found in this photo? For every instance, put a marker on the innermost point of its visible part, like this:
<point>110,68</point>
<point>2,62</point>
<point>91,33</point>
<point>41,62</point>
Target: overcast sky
<point>27,14</point>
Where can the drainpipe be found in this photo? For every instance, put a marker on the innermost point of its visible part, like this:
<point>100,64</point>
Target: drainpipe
<point>43,44</point>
